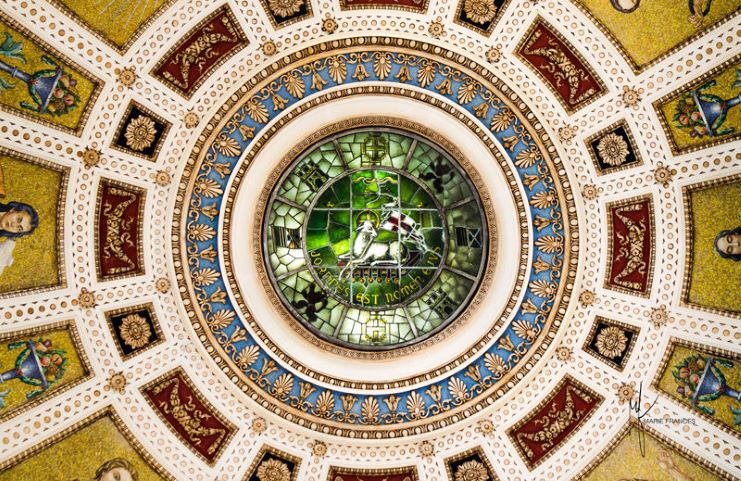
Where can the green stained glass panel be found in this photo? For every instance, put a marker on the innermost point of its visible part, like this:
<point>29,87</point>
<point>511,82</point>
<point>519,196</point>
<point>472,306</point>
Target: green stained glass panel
<point>375,239</point>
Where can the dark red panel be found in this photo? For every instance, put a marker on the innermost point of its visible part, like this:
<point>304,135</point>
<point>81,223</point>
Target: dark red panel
<point>564,70</point>
<point>630,260</point>
<point>553,422</point>
<point>185,410</point>
<point>120,209</point>
<point>200,52</point>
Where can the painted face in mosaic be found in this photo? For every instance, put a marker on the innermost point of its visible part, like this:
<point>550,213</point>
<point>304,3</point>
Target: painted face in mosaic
<point>117,474</point>
<point>390,245</point>
<point>728,244</point>
<point>625,6</point>
<point>16,222</point>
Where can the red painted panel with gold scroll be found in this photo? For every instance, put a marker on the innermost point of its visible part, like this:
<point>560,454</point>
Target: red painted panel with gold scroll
<point>195,421</point>
<point>119,230</point>
<point>630,253</point>
<point>556,61</point>
<point>553,421</point>
<point>200,52</point>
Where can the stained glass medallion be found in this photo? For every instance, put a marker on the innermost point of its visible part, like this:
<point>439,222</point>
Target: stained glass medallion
<point>375,239</point>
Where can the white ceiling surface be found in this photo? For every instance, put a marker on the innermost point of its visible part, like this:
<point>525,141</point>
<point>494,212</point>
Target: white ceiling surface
<point>183,348</point>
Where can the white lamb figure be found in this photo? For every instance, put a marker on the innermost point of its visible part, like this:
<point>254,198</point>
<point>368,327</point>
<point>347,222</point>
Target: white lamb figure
<point>365,251</point>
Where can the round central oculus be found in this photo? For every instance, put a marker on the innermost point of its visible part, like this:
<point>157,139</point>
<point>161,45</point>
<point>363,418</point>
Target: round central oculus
<point>375,239</point>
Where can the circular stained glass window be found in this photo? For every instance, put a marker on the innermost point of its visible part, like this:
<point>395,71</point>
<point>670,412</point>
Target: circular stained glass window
<point>375,239</point>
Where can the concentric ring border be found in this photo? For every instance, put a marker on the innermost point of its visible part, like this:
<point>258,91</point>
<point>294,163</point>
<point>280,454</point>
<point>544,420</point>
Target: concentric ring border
<point>562,193</point>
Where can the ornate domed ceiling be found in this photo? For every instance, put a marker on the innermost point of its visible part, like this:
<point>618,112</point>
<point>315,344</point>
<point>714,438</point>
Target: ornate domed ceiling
<point>370,240</point>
